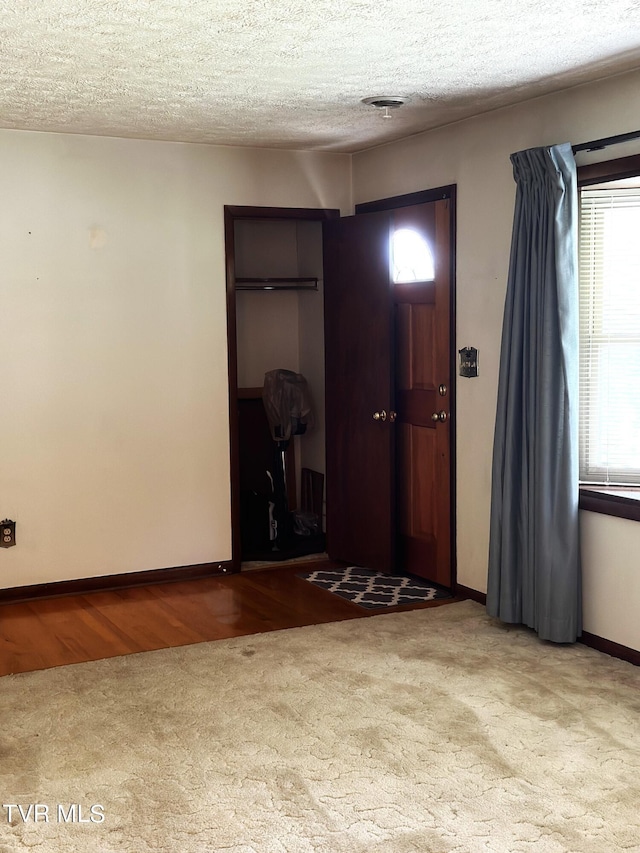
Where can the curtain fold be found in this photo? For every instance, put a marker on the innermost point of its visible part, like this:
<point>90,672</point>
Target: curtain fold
<point>534,552</point>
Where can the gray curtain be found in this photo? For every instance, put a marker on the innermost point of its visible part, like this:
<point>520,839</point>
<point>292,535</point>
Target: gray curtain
<point>534,553</point>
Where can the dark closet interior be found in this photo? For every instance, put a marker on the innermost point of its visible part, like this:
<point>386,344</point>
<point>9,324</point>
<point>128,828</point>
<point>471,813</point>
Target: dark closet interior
<point>279,326</point>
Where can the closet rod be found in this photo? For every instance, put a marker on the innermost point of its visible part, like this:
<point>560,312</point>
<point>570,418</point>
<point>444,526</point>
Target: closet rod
<point>599,144</point>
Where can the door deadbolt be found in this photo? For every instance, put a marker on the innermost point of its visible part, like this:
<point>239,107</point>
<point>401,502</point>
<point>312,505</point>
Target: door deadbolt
<point>442,390</point>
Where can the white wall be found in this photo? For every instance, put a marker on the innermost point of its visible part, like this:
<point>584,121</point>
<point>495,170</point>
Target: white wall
<point>611,592</point>
<point>114,450</point>
<point>474,154</point>
<point>311,344</point>
<point>267,334</point>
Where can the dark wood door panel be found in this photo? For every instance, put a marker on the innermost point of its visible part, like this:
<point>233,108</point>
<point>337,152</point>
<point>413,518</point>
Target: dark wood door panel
<point>420,292</point>
<point>359,382</point>
<point>417,407</point>
<point>423,354</point>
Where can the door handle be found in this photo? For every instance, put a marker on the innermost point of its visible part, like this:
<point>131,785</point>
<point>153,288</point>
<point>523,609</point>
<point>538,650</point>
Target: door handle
<point>439,416</point>
<point>380,416</point>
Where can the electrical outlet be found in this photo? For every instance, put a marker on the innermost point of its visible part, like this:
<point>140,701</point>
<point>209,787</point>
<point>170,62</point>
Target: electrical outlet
<point>8,537</point>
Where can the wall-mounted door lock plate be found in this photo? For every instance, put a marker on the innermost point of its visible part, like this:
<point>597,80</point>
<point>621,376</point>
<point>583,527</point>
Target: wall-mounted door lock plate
<point>468,361</point>
<point>8,533</point>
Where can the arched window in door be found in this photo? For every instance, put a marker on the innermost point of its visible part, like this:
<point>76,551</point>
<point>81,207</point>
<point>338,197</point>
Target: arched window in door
<point>411,257</point>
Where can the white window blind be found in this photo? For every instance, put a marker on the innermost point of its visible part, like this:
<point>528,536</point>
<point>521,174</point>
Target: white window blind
<point>610,335</point>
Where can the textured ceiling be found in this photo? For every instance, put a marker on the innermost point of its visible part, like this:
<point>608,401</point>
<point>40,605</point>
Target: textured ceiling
<point>291,73</point>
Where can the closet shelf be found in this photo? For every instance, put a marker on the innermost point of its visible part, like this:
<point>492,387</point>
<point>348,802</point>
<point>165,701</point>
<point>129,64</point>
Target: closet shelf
<point>281,283</point>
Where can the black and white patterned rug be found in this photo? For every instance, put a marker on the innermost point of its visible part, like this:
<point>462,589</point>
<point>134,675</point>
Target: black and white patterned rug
<point>372,589</point>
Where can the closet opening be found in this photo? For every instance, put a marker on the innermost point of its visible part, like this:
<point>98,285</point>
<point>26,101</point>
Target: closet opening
<point>275,310</point>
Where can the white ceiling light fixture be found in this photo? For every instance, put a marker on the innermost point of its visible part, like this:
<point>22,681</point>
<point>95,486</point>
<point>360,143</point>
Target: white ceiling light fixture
<point>386,103</point>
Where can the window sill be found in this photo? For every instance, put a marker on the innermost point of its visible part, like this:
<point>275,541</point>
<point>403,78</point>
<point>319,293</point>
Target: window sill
<point>619,501</point>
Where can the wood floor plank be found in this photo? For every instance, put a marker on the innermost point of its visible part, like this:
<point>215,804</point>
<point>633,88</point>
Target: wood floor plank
<point>52,632</point>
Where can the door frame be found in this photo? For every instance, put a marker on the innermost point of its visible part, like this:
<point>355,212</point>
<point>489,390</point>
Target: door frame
<point>236,212</point>
<point>407,200</point>
<point>232,213</point>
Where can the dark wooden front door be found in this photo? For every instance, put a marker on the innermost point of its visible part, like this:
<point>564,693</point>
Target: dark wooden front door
<point>388,353</point>
<point>423,394</point>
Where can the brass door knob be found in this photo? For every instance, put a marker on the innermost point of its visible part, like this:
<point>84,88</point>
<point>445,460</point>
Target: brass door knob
<point>380,416</point>
<point>439,416</point>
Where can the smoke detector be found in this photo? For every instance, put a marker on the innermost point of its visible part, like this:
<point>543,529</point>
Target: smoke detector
<point>386,103</point>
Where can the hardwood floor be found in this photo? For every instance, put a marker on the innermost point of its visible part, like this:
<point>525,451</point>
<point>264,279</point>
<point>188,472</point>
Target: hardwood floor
<point>52,632</point>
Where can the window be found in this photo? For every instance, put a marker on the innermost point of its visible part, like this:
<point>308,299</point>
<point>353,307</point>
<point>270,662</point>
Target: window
<point>411,257</point>
<point>610,333</point>
<point>609,254</point>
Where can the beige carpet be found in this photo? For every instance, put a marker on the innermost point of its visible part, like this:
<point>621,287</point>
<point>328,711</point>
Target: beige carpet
<point>433,730</point>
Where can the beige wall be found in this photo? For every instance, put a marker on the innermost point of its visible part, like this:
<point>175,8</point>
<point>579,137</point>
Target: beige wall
<point>474,154</point>
<point>267,330</point>
<point>114,453</point>
<point>311,446</point>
